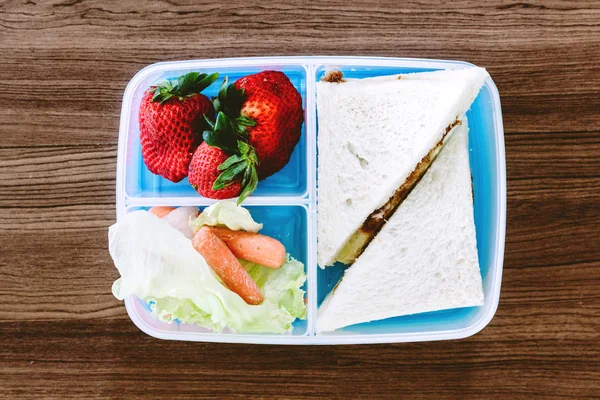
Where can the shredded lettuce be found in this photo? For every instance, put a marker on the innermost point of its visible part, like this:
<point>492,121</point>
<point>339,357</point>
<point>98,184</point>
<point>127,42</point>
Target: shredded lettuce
<point>160,266</point>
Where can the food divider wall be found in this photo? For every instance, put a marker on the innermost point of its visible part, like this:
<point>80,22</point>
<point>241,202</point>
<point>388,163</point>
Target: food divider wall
<point>286,203</point>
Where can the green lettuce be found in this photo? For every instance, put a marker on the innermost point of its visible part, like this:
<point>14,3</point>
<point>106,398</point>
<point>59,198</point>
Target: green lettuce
<point>159,265</point>
<point>226,213</point>
<point>284,302</point>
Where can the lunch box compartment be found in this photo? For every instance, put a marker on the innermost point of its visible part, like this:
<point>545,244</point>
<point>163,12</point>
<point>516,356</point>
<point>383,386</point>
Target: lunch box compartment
<point>483,150</point>
<point>292,180</point>
<point>288,224</point>
<point>286,203</point>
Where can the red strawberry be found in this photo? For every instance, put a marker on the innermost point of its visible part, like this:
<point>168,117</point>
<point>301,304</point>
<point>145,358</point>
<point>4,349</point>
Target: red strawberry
<point>269,107</point>
<point>204,171</point>
<point>171,122</point>
<point>223,166</point>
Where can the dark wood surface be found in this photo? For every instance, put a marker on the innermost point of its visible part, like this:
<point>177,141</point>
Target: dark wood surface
<point>63,68</point>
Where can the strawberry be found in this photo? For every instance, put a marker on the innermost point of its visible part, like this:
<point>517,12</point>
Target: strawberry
<point>171,121</point>
<point>223,166</point>
<point>206,176</point>
<point>267,108</point>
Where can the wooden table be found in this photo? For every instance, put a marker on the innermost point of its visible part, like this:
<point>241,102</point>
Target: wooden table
<point>63,68</point>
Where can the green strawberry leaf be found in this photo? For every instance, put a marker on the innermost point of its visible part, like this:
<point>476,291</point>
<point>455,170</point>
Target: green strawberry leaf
<point>250,186</point>
<point>161,96</point>
<point>183,86</point>
<point>248,151</point>
<point>235,98</point>
<point>228,176</point>
<point>239,167</point>
<point>241,132</point>
<point>210,138</point>
<point>204,82</point>
<point>241,125</point>
<point>245,121</point>
<point>223,123</point>
<point>223,89</point>
<point>234,159</point>
<point>222,134</point>
<point>216,104</point>
<point>229,100</point>
<point>164,84</point>
<point>210,122</point>
<point>186,82</point>
<point>246,178</point>
<point>213,139</point>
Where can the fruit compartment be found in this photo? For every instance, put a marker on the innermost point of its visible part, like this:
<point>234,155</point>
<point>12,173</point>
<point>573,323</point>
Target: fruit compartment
<point>139,182</point>
<point>287,203</point>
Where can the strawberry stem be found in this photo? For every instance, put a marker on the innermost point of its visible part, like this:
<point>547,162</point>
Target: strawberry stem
<point>229,100</point>
<point>239,166</point>
<point>183,86</point>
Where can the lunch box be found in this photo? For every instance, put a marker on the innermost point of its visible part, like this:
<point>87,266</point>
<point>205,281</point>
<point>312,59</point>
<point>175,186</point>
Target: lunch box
<point>286,203</point>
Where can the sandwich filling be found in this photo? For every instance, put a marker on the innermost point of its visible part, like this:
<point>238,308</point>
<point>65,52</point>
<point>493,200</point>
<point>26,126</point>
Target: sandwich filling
<point>359,241</point>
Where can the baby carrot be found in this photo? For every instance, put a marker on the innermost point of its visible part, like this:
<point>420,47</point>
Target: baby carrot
<point>253,247</point>
<point>161,211</point>
<point>226,266</point>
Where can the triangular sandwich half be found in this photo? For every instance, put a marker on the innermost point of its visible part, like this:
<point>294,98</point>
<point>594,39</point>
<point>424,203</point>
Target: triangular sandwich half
<point>377,136</point>
<point>424,258</point>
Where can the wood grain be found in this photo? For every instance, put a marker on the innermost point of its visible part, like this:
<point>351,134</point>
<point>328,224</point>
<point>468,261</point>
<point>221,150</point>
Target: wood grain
<point>63,70</point>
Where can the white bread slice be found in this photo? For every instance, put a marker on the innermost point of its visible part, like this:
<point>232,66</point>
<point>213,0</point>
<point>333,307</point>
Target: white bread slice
<point>424,258</point>
<point>373,133</point>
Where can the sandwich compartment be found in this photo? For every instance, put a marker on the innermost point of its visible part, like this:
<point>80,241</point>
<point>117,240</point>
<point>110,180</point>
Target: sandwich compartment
<point>286,203</point>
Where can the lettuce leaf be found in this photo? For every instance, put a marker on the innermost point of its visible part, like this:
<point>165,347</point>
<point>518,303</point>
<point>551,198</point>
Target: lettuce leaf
<point>160,266</point>
<point>284,302</point>
<point>226,213</point>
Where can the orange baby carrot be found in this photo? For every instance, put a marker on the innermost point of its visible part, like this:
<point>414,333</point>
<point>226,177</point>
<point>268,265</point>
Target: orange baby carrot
<point>226,266</point>
<point>253,247</point>
<point>161,211</point>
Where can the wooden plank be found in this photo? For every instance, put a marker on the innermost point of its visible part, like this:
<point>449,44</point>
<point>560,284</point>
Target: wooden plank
<point>535,368</point>
<point>57,175</point>
<point>555,155</point>
<point>55,264</point>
